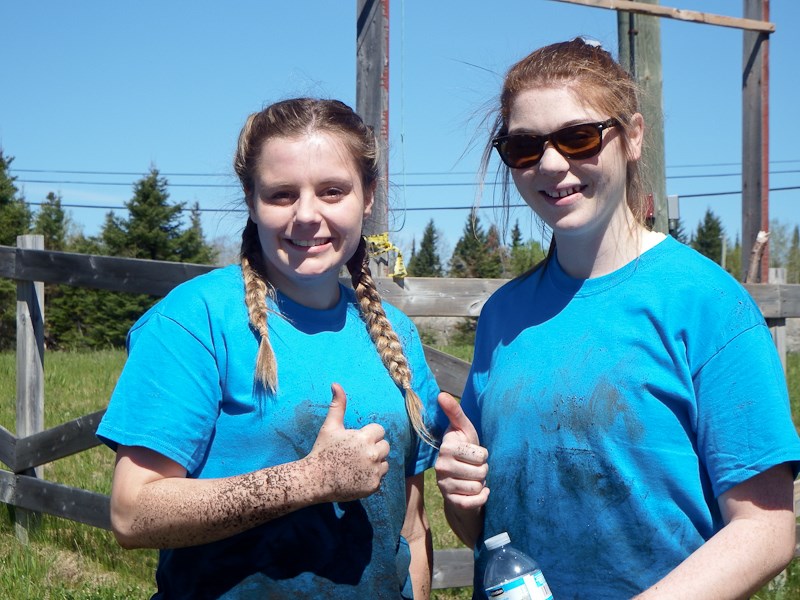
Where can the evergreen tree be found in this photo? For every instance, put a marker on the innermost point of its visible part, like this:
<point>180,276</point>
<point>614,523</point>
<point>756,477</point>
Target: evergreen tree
<point>470,251</point>
<point>793,260</point>
<point>152,229</point>
<point>191,244</point>
<point>680,233</point>
<point>15,215</point>
<point>52,222</point>
<point>495,258</point>
<point>524,255</point>
<point>733,259</point>
<point>708,239</point>
<point>15,220</point>
<point>426,262</point>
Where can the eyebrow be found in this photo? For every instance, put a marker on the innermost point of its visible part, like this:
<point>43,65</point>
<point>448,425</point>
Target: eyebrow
<point>563,126</point>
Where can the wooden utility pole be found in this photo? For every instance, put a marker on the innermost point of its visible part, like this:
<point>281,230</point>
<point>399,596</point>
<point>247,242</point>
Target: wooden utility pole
<point>639,38</point>
<point>755,136</point>
<point>372,94</point>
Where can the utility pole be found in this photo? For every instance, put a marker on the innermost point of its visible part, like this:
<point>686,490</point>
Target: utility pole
<point>755,136</point>
<point>372,94</point>
<point>639,38</point>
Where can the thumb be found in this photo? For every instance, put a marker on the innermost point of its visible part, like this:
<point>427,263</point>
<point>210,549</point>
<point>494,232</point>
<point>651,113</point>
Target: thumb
<point>335,417</point>
<point>458,420</point>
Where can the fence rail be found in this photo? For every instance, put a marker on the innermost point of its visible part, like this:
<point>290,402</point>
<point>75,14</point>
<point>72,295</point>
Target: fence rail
<point>22,487</point>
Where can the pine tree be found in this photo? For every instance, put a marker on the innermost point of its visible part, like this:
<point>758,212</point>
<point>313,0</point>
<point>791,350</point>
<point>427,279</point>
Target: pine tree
<point>191,244</point>
<point>470,251</point>
<point>152,228</point>
<point>708,239</point>
<point>495,258</point>
<point>15,215</point>
<point>680,233</point>
<point>523,255</point>
<point>793,260</point>
<point>53,223</point>
<point>426,262</point>
<point>15,220</point>
<point>733,260</point>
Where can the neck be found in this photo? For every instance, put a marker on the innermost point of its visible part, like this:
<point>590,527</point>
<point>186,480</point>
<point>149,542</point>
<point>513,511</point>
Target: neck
<point>587,256</point>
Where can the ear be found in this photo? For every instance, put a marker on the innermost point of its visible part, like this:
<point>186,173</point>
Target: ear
<point>250,207</point>
<point>635,137</point>
<point>369,199</point>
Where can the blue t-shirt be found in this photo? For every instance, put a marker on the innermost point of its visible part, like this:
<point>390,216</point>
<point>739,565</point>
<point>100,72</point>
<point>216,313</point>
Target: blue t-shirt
<point>616,410</point>
<point>187,391</point>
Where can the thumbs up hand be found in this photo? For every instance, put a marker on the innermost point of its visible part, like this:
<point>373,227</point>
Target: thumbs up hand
<point>461,467</point>
<point>351,462</point>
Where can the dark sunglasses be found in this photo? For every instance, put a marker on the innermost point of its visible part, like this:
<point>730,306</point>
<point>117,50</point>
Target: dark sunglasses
<point>523,150</point>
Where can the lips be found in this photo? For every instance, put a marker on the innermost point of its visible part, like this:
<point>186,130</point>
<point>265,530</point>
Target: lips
<point>563,192</point>
<point>310,243</point>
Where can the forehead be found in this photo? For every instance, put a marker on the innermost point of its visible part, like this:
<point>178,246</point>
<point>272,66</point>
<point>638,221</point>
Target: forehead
<point>316,151</point>
<point>545,109</point>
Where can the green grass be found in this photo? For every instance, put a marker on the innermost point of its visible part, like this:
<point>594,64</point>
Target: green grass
<point>69,561</point>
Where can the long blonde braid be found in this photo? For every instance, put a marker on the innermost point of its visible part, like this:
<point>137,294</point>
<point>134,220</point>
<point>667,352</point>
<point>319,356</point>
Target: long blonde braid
<point>384,337</point>
<point>256,292</point>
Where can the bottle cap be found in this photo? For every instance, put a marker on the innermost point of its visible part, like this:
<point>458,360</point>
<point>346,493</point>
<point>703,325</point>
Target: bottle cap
<point>501,539</point>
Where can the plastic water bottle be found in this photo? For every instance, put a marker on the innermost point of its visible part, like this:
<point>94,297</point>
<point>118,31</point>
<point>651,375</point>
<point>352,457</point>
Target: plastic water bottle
<point>511,574</point>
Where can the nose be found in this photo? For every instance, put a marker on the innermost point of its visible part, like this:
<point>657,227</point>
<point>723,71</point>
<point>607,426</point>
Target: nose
<point>552,160</point>
<point>306,208</point>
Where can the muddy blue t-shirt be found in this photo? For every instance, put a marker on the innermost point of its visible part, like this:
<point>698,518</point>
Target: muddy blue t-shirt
<point>187,391</point>
<point>616,410</point>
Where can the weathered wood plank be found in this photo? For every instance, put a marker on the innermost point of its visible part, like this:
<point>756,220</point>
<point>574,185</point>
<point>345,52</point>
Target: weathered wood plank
<point>56,499</point>
<point>644,8</point>
<point>66,439</point>
<point>8,444</point>
<point>132,275</point>
<point>452,567</point>
<point>450,372</point>
<point>416,296</point>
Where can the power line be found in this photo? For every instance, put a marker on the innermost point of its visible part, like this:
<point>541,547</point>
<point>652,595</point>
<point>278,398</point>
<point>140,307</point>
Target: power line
<point>413,209</point>
<point>434,184</point>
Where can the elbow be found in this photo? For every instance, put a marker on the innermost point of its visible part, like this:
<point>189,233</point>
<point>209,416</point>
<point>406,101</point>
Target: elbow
<point>122,526</point>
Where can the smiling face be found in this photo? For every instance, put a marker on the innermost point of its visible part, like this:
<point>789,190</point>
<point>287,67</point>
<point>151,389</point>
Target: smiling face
<point>584,198</point>
<point>308,203</point>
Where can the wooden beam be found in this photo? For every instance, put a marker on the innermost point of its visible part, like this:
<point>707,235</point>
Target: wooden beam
<point>450,372</point>
<point>56,443</point>
<point>51,498</point>
<point>678,13</point>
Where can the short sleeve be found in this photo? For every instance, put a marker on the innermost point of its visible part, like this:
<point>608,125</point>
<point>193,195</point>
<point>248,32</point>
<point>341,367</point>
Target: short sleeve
<point>168,396</point>
<point>744,419</point>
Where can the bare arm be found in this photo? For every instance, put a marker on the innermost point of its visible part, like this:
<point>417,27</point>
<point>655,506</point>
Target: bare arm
<point>154,504</point>
<point>461,470</point>
<point>755,544</point>
<point>418,535</point>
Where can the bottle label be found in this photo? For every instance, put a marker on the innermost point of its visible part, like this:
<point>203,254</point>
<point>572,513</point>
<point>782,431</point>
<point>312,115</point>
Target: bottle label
<point>531,586</point>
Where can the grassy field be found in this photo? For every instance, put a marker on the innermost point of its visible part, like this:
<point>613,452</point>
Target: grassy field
<point>70,561</point>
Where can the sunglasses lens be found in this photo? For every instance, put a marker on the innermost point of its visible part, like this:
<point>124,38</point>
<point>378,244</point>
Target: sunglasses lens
<point>580,141</point>
<point>520,151</point>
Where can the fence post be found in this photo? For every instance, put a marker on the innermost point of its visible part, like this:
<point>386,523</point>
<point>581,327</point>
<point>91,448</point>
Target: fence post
<point>30,372</point>
<point>778,326</point>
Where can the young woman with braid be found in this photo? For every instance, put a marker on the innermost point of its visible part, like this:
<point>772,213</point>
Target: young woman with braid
<point>231,456</point>
<point>626,417</point>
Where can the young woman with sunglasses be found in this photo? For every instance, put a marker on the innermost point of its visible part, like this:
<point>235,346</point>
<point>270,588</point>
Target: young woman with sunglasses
<point>232,458</point>
<point>626,417</point>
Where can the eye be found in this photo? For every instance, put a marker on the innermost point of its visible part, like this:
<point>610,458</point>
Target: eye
<point>332,194</point>
<point>279,197</point>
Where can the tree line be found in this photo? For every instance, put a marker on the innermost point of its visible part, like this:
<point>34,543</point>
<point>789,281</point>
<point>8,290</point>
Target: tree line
<point>156,229</point>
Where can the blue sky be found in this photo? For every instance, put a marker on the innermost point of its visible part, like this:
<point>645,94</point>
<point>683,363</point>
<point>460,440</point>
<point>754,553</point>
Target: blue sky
<point>95,93</point>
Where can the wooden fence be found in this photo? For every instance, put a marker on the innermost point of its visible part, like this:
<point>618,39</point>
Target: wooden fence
<point>32,446</point>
